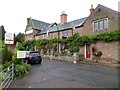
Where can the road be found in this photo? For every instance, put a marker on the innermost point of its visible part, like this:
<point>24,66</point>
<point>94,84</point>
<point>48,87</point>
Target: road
<point>61,74</point>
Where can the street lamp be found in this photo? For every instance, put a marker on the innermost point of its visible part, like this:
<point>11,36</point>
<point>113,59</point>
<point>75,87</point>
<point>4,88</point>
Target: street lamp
<point>58,35</point>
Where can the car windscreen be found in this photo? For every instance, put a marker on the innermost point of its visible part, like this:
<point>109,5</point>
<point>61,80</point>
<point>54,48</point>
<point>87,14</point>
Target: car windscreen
<point>34,54</point>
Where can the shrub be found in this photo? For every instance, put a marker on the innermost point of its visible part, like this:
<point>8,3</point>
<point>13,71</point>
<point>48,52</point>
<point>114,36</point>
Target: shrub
<point>7,64</point>
<point>74,49</point>
<point>6,55</point>
<point>1,77</point>
<point>97,53</point>
<point>15,60</point>
<point>27,66</point>
<point>20,70</point>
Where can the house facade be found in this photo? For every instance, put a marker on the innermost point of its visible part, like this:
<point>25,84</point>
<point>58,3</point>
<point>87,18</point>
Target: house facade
<point>101,19</point>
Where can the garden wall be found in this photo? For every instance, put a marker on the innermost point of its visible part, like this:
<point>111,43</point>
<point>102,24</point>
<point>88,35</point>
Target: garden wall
<point>109,50</point>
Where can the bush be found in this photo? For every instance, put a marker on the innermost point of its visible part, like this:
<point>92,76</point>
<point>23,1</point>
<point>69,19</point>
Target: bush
<point>20,70</point>
<point>97,53</point>
<point>1,77</point>
<point>7,64</point>
<point>6,55</point>
<point>74,49</point>
<point>15,60</point>
<point>27,66</point>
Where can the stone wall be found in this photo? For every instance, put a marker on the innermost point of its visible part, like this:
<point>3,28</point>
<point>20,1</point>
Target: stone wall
<point>109,50</point>
<point>100,13</point>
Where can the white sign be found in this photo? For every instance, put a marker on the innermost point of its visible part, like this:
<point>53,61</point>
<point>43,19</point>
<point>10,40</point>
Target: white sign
<point>21,54</point>
<point>9,38</point>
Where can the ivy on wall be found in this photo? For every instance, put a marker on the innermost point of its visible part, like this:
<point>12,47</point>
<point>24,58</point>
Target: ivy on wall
<point>75,40</point>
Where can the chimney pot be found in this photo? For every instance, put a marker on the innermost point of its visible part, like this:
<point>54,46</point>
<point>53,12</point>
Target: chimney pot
<point>63,17</point>
<point>91,9</point>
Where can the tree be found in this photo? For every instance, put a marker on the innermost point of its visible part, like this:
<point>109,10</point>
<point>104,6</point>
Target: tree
<point>2,33</point>
<point>6,55</point>
<point>20,37</point>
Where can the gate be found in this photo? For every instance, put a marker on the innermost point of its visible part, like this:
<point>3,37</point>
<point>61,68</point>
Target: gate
<point>7,77</point>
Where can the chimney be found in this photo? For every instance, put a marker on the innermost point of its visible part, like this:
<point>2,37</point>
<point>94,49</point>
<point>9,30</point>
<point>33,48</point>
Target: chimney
<point>91,9</point>
<point>28,20</point>
<point>63,17</point>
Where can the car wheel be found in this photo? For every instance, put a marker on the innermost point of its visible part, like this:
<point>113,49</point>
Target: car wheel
<point>39,62</point>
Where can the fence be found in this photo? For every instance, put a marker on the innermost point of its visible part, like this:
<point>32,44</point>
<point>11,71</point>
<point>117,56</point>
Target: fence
<point>7,76</point>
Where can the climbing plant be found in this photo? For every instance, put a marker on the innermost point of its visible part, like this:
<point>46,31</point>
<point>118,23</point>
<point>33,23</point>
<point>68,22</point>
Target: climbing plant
<point>75,40</point>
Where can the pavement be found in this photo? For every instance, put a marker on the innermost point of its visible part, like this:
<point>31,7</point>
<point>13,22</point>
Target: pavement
<point>61,74</point>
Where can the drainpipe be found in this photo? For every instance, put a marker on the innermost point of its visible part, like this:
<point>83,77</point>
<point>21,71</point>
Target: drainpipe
<point>58,38</point>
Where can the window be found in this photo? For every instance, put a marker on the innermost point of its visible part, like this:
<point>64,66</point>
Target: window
<point>96,26</point>
<point>65,33</point>
<point>100,24</point>
<point>105,23</point>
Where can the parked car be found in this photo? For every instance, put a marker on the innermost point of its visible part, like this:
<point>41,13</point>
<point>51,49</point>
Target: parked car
<point>33,57</point>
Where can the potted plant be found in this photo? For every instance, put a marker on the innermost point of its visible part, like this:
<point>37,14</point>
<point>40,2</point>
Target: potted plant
<point>97,55</point>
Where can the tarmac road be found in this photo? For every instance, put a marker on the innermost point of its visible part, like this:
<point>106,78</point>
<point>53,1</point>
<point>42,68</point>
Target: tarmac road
<point>61,74</point>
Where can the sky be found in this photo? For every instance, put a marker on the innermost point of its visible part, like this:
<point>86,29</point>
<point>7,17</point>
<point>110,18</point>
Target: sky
<point>14,13</point>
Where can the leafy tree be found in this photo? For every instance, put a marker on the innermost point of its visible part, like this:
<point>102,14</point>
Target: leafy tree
<point>2,33</point>
<point>21,46</point>
<point>20,37</point>
<point>6,55</point>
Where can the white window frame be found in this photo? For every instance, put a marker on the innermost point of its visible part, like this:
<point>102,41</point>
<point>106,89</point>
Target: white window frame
<point>98,25</point>
<point>107,23</point>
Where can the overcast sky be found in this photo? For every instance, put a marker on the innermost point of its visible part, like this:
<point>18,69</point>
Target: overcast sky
<point>14,13</point>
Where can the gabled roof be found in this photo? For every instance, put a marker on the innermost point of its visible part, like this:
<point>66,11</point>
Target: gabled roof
<point>39,25</point>
<point>102,7</point>
<point>105,9</point>
<point>59,27</point>
<point>46,27</point>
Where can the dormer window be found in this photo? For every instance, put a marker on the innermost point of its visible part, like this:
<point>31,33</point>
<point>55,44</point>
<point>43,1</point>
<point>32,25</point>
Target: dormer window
<point>100,24</point>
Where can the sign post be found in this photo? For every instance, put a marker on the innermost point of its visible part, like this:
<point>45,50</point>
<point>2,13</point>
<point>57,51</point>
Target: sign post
<point>20,55</point>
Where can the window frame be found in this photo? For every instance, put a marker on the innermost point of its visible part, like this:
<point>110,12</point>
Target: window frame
<point>98,23</point>
<point>106,24</point>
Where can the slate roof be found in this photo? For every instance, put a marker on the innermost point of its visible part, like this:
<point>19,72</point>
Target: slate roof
<point>47,27</point>
<point>39,25</point>
<point>59,27</point>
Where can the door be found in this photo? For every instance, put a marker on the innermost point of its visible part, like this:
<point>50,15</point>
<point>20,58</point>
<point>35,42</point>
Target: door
<point>88,51</point>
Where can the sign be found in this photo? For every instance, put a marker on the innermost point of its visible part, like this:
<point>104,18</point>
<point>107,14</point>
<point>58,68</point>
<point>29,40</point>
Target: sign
<point>21,54</point>
<point>9,38</point>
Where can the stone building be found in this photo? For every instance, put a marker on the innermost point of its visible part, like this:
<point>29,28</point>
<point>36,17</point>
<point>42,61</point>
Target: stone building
<point>101,19</point>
